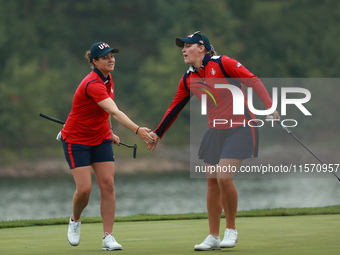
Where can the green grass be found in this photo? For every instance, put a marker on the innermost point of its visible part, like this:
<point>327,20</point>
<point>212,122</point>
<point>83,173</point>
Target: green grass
<point>153,217</point>
<point>307,234</point>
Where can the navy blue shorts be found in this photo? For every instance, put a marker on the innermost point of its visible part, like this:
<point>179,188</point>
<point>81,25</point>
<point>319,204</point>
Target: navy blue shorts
<point>234,143</point>
<point>78,155</point>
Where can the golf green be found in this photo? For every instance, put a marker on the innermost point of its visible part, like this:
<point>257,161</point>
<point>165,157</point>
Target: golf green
<point>312,234</point>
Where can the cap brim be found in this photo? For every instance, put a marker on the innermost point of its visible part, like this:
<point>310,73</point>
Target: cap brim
<point>104,53</point>
<point>180,41</point>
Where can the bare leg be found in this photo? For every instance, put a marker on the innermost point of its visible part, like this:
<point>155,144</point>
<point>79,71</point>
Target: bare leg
<point>105,177</point>
<point>228,191</point>
<point>214,205</point>
<point>82,178</point>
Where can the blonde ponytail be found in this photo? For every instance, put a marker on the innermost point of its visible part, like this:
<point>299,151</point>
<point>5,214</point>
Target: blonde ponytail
<point>88,57</point>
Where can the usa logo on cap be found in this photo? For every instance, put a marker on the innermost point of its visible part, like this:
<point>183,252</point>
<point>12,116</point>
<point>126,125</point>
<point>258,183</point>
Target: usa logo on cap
<point>101,49</point>
<point>103,45</point>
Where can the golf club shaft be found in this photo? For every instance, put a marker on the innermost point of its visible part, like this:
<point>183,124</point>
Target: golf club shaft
<point>299,141</point>
<point>62,122</point>
<point>51,118</point>
<point>129,146</point>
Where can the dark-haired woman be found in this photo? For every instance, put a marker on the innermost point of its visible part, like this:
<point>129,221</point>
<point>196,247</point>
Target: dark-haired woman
<point>87,141</point>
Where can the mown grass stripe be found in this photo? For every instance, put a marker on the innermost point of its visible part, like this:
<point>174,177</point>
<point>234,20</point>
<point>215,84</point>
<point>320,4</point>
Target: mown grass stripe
<point>190,216</point>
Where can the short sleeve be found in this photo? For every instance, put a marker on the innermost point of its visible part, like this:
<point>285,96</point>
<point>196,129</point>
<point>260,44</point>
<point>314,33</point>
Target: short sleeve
<point>97,91</point>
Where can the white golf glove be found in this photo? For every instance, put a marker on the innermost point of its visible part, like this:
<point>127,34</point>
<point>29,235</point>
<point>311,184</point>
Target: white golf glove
<point>58,138</point>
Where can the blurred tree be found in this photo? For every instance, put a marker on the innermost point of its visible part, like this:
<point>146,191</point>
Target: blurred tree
<point>42,44</point>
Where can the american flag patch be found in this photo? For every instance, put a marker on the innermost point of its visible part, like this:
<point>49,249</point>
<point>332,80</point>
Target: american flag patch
<point>238,64</point>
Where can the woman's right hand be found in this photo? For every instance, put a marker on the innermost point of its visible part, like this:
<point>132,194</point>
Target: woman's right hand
<point>143,133</point>
<point>152,146</point>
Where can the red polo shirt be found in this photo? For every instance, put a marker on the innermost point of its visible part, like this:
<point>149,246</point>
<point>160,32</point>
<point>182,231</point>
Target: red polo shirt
<point>87,122</point>
<point>215,70</point>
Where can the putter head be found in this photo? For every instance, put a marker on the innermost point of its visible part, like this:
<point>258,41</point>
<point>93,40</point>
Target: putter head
<point>135,151</point>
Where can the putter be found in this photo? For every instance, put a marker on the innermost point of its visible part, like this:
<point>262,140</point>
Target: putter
<point>130,146</point>
<point>297,139</point>
<point>62,122</point>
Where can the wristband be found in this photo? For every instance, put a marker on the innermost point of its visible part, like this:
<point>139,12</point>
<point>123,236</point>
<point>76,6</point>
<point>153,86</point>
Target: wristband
<point>137,130</point>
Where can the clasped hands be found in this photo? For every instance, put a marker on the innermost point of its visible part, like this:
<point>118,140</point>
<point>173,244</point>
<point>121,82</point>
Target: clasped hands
<point>152,145</point>
<point>149,137</point>
<point>144,133</point>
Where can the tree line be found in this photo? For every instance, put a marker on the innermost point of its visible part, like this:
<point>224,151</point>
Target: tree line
<point>42,44</point>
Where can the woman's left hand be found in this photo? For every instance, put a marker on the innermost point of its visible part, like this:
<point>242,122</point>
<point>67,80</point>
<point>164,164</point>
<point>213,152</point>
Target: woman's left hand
<point>115,138</point>
<point>275,115</point>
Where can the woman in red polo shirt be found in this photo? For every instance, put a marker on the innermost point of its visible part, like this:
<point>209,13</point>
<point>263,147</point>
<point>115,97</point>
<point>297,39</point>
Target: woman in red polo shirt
<point>226,143</point>
<point>87,141</point>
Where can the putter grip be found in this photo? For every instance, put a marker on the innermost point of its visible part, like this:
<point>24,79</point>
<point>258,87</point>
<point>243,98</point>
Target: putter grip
<point>51,119</point>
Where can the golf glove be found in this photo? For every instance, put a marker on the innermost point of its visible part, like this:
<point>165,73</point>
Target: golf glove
<point>58,138</point>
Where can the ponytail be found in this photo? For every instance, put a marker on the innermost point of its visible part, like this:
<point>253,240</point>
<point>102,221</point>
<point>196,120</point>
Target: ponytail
<point>88,57</point>
<point>212,51</point>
